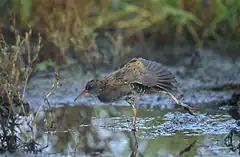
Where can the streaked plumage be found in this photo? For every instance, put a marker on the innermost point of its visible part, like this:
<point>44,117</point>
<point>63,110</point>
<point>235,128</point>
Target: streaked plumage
<point>138,76</point>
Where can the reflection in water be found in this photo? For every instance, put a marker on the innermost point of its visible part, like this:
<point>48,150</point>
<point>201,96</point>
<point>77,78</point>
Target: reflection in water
<point>103,131</point>
<point>232,140</point>
<point>70,130</point>
<point>187,149</point>
<point>134,145</point>
<point>74,130</point>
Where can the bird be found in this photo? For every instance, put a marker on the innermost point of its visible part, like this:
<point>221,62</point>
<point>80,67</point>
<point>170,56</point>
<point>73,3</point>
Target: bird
<point>137,77</point>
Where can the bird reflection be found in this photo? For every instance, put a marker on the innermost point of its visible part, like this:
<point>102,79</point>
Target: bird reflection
<point>134,144</point>
<point>88,138</point>
<point>73,129</point>
<point>63,125</point>
<point>187,149</point>
<point>234,134</point>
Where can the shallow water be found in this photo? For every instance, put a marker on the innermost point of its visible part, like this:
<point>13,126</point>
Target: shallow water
<point>90,128</point>
<point>105,131</point>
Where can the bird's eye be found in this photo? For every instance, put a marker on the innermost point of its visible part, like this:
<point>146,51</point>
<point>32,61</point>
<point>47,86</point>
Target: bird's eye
<point>88,87</point>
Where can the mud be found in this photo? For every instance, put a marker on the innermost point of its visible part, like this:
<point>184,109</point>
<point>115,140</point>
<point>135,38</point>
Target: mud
<point>90,128</point>
<point>204,77</point>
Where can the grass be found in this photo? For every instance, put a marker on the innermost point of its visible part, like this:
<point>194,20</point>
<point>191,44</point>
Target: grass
<point>12,88</point>
<point>14,74</point>
<point>77,24</point>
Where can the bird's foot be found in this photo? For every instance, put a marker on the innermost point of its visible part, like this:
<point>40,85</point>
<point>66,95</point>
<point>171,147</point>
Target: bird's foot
<point>133,129</point>
<point>187,108</point>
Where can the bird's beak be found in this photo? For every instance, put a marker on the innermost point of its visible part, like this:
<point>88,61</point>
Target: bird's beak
<point>84,92</point>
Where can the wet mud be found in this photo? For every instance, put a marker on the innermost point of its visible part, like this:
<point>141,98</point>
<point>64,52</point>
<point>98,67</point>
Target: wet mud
<point>208,81</point>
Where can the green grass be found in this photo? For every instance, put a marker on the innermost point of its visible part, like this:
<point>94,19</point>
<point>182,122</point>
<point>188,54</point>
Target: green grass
<point>173,20</point>
<point>157,13</point>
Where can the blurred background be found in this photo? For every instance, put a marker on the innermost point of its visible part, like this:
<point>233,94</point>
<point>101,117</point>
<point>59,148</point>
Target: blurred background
<point>71,30</point>
<point>198,40</point>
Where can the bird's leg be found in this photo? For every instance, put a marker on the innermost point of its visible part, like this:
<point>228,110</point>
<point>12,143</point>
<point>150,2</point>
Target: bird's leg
<point>131,101</point>
<point>185,106</point>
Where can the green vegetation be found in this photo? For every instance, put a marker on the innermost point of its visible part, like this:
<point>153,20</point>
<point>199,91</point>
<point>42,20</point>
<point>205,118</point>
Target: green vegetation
<point>45,65</point>
<point>13,81</point>
<point>13,77</point>
<point>24,8</point>
<point>202,18</point>
<point>12,87</point>
<point>75,25</point>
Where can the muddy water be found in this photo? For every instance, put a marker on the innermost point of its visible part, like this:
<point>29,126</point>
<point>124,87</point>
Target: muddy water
<point>90,128</point>
<point>85,130</point>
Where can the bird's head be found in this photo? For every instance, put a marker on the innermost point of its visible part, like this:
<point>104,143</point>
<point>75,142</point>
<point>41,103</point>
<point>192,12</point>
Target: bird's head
<point>92,87</point>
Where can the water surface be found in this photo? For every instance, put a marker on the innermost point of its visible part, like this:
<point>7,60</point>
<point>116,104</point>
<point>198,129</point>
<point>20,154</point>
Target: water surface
<point>85,130</point>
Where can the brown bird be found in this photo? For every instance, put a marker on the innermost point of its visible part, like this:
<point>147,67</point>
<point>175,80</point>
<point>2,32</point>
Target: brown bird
<point>139,76</point>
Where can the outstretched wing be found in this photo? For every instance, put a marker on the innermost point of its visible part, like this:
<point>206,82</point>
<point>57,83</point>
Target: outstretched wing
<point>149,73</point>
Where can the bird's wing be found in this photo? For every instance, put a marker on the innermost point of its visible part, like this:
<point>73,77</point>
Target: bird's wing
<point>148,73</point>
